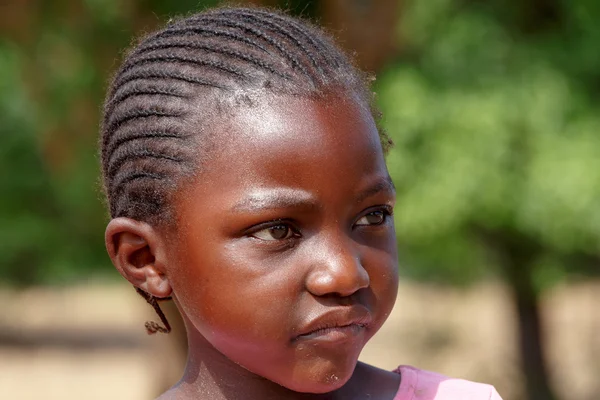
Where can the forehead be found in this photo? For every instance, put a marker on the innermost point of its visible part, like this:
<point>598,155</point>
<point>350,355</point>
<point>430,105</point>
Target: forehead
<point>293,141</point>
<point>291,124</point>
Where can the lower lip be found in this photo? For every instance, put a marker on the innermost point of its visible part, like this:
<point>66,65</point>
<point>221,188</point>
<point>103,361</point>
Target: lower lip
<point>335,334</point>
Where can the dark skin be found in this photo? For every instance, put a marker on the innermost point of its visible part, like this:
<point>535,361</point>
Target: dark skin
<point>283,261</point>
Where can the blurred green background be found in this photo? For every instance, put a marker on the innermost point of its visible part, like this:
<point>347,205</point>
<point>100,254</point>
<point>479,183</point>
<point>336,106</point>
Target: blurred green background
<point>493,107</point>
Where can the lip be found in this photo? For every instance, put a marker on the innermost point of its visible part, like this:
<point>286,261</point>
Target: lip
<point>339,324</point>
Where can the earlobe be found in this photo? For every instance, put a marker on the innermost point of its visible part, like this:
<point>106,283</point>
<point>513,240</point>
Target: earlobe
<point>138,252</point>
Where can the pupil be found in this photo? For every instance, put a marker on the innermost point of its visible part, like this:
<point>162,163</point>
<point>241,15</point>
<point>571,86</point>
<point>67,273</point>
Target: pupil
<point>375,218</point>
<point>279,231</point>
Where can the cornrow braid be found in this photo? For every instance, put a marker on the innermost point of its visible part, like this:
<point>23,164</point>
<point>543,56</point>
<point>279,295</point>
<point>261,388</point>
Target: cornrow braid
<point>281,29</point>
<point>193,44</point>
<point>205,31</point>
<point>256,30</point>
<point>148,89</point>
<point>170,86</point>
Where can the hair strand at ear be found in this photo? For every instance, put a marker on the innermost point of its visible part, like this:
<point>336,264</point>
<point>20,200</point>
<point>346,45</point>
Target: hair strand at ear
<point>151,326</point>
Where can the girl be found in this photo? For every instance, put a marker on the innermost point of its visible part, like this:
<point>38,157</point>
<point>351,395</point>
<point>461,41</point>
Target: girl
<point>245,178</point>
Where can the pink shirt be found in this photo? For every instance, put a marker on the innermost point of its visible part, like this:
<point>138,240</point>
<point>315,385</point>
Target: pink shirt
<point>416,384</point>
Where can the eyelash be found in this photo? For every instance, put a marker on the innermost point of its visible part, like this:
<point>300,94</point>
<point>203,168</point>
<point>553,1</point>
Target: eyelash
<point>386,210</point>
<point>271,225</point>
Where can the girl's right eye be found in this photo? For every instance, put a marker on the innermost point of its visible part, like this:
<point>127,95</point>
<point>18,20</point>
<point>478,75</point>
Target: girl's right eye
<point>275,232</point>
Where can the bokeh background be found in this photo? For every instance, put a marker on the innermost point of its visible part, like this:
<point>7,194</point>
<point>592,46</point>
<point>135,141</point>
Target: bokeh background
<point>494,109</point>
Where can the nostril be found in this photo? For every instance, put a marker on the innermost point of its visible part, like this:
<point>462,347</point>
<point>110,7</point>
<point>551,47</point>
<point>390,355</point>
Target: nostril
<point>337,279</point>
<point>335,266</point>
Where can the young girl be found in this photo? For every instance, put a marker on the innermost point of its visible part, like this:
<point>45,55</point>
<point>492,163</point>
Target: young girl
<point>245,178</point>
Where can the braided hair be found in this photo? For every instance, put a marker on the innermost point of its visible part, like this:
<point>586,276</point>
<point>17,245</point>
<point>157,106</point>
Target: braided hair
<point>161,100</point>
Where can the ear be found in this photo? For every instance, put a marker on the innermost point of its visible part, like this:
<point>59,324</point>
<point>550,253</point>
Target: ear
<point>138,252</point>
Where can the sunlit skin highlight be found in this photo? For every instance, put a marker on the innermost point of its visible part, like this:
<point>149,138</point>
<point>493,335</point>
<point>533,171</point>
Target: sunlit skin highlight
<point>283,261</point>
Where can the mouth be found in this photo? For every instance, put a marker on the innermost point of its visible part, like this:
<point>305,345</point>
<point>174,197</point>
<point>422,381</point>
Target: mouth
<point>335,333</point>
<point>336,325</point>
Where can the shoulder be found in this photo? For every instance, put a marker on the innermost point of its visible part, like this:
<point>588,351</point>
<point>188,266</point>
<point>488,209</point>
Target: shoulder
<point>416,384</point>
<point>371,382</point>
<point>171,394</point>
<point>166,396</point>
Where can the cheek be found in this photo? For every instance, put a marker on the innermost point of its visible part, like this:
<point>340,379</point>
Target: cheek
<point>383,275</point>
<point>243,307</point>
<point>230,298</point>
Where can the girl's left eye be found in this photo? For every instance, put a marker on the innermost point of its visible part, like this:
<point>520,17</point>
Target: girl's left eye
<point>275,232</point>
<point>373,218</point>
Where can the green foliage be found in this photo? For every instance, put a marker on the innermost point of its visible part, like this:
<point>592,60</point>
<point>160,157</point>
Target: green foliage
<point>52,217</point>
<point>47,219</point>
<point>496,130</point>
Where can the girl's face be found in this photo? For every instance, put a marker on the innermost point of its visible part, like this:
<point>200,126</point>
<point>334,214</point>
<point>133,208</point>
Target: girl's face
<point>285,259</point>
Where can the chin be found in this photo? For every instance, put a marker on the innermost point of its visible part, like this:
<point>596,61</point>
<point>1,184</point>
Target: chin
<point>328,384</point>
<point>322,377</point>
<point>332,384</point>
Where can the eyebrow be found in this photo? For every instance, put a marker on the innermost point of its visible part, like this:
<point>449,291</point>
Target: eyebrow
<point>269,199</point>
<point>381,185</point>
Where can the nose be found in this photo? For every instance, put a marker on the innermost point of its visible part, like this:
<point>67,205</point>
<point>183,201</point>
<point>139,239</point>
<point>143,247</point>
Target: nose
<point>336,268</point>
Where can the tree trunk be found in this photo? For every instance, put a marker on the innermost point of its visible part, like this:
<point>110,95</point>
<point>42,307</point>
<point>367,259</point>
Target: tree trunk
<point>530,335</point>
<point>520,254</point>
<point>364,27</point>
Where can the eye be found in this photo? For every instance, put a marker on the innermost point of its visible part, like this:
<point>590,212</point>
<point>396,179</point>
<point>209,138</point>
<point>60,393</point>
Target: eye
<point>377,217</point>
<point>275,232</point>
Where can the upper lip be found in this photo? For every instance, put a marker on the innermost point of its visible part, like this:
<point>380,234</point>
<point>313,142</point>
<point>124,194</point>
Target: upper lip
<point>336,318</point>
